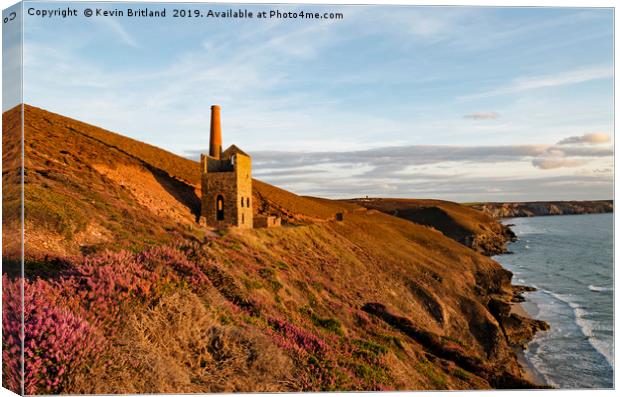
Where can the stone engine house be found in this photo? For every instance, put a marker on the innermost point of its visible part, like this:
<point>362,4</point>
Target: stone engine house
<point>226,181</point>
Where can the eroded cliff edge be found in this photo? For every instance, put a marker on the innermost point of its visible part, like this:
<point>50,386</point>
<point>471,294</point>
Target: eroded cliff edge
<point>545,208</point>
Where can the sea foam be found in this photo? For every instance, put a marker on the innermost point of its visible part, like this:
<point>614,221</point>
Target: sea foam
<point>595,288</point>
<point>586,326</point>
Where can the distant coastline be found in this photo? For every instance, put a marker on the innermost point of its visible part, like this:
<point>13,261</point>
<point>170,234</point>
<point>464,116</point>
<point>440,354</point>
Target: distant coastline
<point>544,208</point>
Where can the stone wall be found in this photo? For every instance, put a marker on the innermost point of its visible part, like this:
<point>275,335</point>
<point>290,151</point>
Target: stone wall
<point>243,168</point>
<point>262,221</point>
<point>235,187</point>
<point>214,185</point>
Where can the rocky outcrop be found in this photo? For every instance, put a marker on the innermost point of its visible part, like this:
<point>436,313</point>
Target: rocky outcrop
<point>518,329</point>
<point>434,343</point>
<point>543,208</point>
<point>493,242</point>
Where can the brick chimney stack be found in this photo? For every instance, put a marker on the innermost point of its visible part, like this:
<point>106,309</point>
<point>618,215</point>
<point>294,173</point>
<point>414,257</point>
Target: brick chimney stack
<point>215,141</point>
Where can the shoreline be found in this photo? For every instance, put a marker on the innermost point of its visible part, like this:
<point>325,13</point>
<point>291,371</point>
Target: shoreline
<point>517,307</point>
<point>529,371</point>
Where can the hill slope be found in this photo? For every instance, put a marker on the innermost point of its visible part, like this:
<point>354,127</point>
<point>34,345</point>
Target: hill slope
<point>98,189</point>
<point>468,226</point>
<point>373,302</point>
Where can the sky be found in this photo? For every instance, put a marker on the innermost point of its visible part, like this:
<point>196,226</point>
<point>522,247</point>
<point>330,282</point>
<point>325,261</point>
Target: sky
<point>457,103</point>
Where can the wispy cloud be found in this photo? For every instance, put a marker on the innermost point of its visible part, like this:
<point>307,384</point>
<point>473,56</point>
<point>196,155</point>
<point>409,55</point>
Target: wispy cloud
<point>442,170</point>
<point>394,158</point>
<point>543,81</point>
<point>115,26</point>
<point>591,138</point>
<point>482,116</point>
<point>549,163</point>
<point>389,161</point>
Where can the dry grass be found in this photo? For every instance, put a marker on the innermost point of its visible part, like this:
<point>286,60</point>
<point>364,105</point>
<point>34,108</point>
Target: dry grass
<point>293,208</point>
<point>179,346</point>
<point>84,193</point>
<point>469,226</point>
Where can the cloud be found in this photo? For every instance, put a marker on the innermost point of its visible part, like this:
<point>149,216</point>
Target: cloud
<point>458,187</point>
<point>482,116</point>
<point>393,157</point>
<point>116,27</point>
<point>591,138</point>
<point>551,80</point>
<point>549,163</point>
<point>562,155</point>
<point>451,172</point>
<point>389,161</point>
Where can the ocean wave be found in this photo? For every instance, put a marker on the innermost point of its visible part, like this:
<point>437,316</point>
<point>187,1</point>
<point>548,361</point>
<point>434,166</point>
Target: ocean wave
<point>605,348</point>
<point>541,369</point>
<point>596,288</point>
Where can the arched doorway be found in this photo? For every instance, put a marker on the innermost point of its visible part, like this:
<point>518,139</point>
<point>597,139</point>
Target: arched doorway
<point>219,207</point>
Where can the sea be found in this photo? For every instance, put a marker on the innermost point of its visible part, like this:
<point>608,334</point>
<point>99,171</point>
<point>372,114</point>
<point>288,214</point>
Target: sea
<point>569,259</point>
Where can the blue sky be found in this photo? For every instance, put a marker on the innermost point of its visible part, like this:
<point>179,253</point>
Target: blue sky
<point>458,103</point>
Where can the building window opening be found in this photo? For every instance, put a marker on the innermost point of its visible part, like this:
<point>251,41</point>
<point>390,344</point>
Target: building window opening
<point>241,202</point>
<point>220,208</point>
<point>247,202</point>
<point>242,218</point>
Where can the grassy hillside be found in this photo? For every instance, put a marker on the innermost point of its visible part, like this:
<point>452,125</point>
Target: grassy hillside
<point>11,178</point>
<point>88,189</point>
<point>82,193</point>
<point>158,304</point>
<point>473,228</point>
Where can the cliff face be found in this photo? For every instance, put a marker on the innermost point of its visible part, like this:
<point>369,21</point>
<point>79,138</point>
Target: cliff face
<point>543,208</point>
<point>372,302</point>
<point>472,228</point>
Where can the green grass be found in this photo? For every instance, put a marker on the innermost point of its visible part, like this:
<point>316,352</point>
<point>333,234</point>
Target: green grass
<point>317,286</point>
<point>59,212</point>
<point>267,273</point>
<point>251,283</point>
<point>282,265</point>
<point>461,374</point>
<point>270,276</point>
<point>428,370</point>
<point>374,348</point>
<point>452,339</point>
<point>275,285</point>
<point>327,323</point>
<point>370,373</point>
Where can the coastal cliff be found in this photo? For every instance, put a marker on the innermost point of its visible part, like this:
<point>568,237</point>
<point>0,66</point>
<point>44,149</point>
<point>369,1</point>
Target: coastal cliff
<point>157,304</point>
<point>544,208</point>
<point>470,227</point>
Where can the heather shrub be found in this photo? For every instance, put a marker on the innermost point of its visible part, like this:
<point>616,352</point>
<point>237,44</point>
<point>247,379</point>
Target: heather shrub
<point>11,334</point>
<point>312,353</point>
<point>106,285</point>
<point>71,320</point>
<point>57,343</point>
<point>292,337</point>
<point>169,320</point>
<point>327,362</point>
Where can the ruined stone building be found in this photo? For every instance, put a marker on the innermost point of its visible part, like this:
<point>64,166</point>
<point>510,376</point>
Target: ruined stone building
<point>226,182</point>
